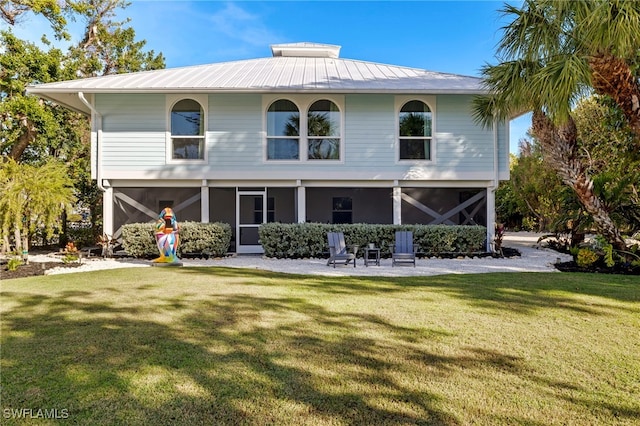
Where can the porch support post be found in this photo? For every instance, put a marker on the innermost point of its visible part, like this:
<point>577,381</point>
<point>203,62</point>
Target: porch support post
<point>204,202</point>
<point>397,205</point>
<point>491,217</point>
<point>301,200</point>
<point>107,211</point>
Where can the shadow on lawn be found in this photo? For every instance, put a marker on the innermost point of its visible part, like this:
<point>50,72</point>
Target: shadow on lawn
<point>235,358</point>
<point>531,292</point>
<point>215,365</point>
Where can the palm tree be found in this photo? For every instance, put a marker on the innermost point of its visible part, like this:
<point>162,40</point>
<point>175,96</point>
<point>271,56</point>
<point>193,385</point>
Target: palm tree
<point>554,53</point>
<point>33,197</point>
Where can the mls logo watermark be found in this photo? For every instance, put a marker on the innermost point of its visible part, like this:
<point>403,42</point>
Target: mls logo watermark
<point>35,413</point>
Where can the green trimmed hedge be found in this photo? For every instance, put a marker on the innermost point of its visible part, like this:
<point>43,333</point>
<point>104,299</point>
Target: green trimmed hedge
<point>309,240</point>
<point>210,239</point>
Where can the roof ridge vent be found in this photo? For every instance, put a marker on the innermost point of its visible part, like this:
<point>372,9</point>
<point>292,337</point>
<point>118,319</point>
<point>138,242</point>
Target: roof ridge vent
<point>305,49</point>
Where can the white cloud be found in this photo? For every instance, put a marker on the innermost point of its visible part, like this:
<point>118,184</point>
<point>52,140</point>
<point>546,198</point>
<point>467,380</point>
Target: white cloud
<point>195,32</point>
<point>239,24</point>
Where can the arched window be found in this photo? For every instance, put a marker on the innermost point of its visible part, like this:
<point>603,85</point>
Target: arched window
<point>415,131</point>
<point>323,131</point>
<point>283,131</point>
<point>187,130</point>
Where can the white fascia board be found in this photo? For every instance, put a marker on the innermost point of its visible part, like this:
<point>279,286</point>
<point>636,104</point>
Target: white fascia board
<point>231,183</point>
<point>174,174</point>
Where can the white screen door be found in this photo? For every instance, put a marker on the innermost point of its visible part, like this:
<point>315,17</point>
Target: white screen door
<point>251,212</point>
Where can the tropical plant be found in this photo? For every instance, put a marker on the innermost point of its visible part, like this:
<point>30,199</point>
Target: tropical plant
<point>13,263</point>
<point>32,198</point>
<point>552,54</point>
<point>535,195</point>
<point>538,192</point>
<point>586,257</point>
<point>613,165</point>
<point>71,253</point>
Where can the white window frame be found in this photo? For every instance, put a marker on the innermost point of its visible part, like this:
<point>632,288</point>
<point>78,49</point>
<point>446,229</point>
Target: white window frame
<point>170,101</point>
<point>430,101</point>
<point>303,102</point>
<point>265,151</point>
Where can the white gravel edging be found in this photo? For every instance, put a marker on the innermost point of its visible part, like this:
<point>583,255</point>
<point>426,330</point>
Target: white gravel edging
<point>532,259</point>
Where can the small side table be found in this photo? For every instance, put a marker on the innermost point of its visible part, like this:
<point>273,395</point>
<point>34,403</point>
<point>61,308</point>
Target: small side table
<point>371,256</point>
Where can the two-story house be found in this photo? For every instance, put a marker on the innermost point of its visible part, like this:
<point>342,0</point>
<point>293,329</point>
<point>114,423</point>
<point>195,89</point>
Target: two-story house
<point>300,136</point>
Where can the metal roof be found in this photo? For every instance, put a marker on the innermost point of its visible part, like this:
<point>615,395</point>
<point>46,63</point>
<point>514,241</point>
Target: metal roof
<point>282,73</point>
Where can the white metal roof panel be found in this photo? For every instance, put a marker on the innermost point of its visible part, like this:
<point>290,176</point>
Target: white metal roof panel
<point>280,74</point>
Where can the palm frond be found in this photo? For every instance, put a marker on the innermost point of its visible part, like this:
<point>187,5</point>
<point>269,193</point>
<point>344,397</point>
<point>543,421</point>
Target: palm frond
<point>611,26</point>
<point>559,85</point>
<point>509,94</point>
<point>538,31</point>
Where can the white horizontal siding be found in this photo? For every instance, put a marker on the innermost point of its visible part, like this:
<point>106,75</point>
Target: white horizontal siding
<point>133,131</point>
<point>135,113</point>
<point>369,132</point>
<point>235,125</point>
<point>133,140</point>
<point>235,113</point>
<point>133,150</point>
<point>461,145</point>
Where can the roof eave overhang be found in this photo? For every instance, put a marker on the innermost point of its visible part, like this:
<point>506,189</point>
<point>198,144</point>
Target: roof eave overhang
<point>55,93</point>
<point>519,113</point>
<point>65,98</point>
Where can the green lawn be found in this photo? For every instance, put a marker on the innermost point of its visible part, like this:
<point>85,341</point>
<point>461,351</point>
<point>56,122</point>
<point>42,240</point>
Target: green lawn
<point>172,346</point>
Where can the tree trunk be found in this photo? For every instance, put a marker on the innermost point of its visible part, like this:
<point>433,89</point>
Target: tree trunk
<point>24,140</point>
<point>64,231</point>
<point>6,246</point>
<point>17,236</point>
<point>612,76</point>
<point>559,144</point>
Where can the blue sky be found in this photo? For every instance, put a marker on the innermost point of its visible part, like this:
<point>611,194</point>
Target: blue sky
<point>447,36</point>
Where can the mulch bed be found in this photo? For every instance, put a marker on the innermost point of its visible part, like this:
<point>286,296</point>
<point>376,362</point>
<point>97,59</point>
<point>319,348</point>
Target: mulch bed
<point>33,269</point>
<point>619,269</point>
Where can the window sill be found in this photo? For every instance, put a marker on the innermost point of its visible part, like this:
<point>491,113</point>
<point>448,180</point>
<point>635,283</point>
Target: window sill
<point>187,161</point>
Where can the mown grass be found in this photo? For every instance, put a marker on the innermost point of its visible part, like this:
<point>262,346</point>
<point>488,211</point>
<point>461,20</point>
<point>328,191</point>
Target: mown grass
<point>226,346</point>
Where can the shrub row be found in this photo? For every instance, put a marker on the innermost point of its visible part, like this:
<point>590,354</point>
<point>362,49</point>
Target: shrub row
<point>81,236</point>
<point>309,240</point>
<point>211,239</point>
